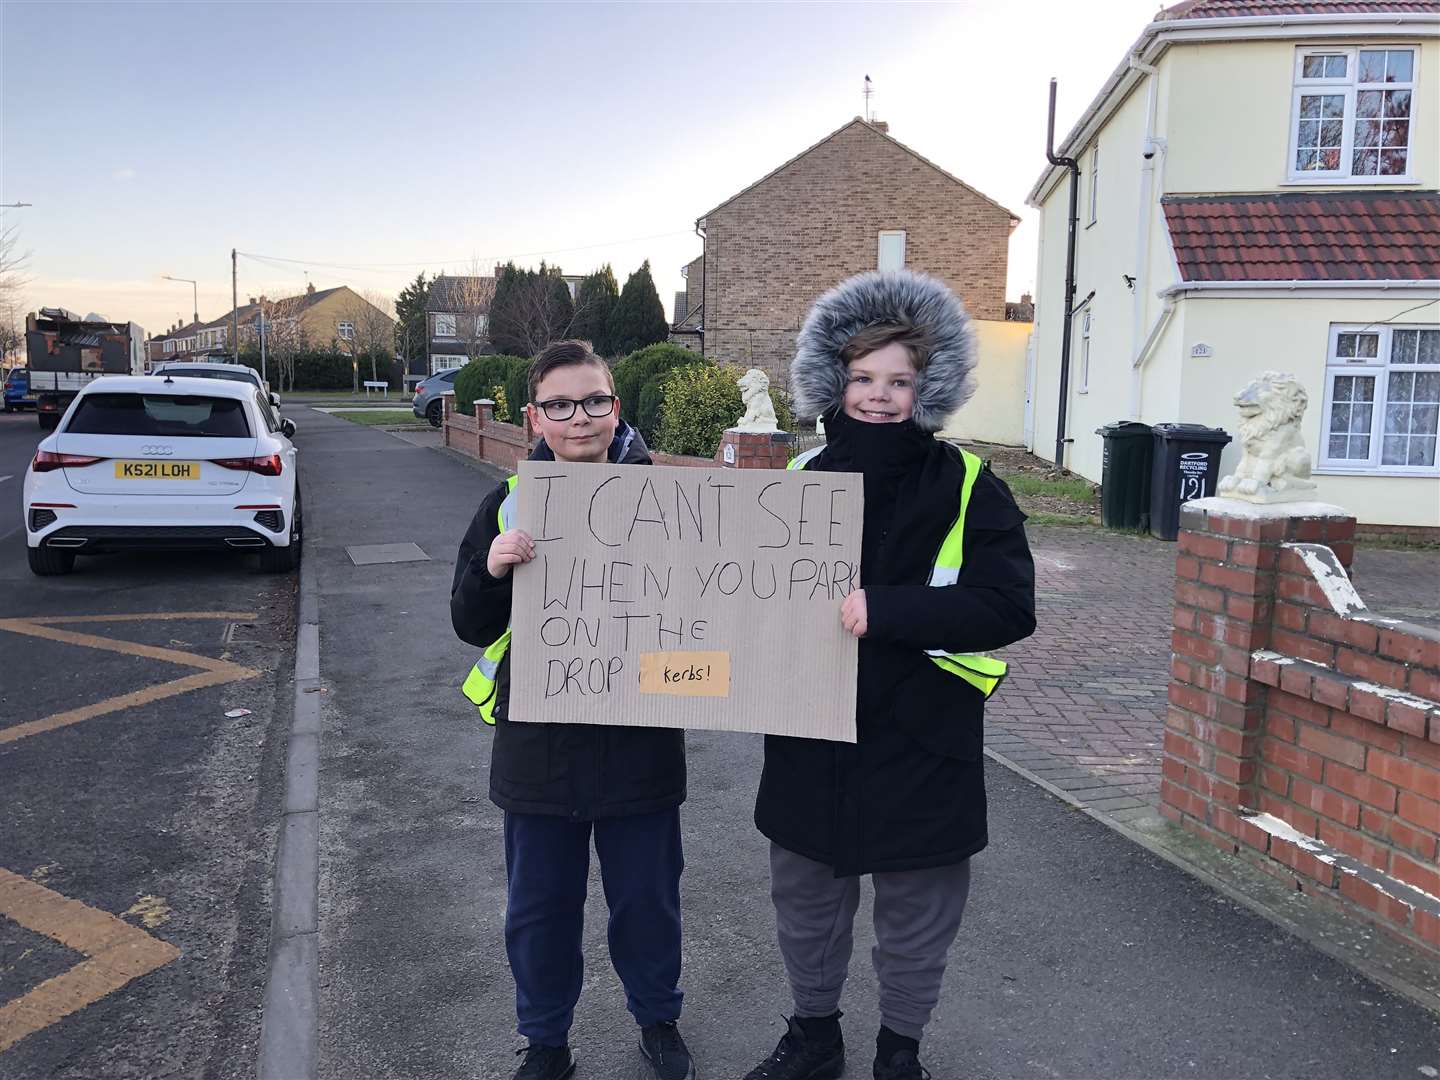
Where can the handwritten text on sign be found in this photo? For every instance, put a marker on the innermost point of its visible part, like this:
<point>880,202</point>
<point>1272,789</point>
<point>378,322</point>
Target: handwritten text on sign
<point>682,597</point>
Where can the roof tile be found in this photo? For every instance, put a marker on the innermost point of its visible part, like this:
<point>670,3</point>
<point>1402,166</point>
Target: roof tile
<point>1302,237</point>
<point>1239,9</point>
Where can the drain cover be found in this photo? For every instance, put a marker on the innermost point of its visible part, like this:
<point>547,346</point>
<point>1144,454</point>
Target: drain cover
<point>370,554</point>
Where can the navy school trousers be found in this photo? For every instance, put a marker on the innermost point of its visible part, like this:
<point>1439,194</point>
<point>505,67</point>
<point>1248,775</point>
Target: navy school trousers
<point>547,864</point>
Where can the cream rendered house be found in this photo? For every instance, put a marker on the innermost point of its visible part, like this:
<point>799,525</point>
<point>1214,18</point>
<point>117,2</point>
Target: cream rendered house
<point>1257,190</point>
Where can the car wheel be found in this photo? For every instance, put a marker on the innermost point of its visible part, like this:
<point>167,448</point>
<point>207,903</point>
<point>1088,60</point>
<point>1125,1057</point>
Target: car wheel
<point>49,562</point>
<point>278,560</point>
<point>49,421</point>
<point>435,413</point>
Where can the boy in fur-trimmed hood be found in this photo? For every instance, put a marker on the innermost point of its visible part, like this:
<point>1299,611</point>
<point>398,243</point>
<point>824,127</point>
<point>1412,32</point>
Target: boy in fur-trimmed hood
<point>945,575</point>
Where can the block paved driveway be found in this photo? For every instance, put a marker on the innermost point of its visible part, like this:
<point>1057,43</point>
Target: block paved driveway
<point>1084,705</point>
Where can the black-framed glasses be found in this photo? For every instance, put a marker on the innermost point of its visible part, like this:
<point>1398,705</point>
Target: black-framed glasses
<point>596,406</point>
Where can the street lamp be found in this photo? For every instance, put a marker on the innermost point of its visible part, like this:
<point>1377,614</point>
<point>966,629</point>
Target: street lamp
<point>194,291</point>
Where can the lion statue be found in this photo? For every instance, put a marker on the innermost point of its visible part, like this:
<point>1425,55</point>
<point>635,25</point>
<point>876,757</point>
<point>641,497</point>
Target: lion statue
<point>755,393</point>
<point>1274,464</point>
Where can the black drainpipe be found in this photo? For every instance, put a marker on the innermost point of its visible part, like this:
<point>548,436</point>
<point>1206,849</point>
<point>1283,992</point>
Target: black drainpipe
<point>704,262</point>
<point>1074,167</point>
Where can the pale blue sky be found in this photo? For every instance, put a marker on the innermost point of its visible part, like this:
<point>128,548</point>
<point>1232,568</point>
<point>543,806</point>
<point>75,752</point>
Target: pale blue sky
<point>154,137</point>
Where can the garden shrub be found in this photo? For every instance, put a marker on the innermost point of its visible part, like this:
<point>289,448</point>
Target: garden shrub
<point>699,402</point>
<point>642,368</point>
<point>478,378</point>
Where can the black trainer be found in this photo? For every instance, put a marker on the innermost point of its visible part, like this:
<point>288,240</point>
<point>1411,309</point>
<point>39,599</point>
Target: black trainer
<point>545,1063</point>
<point>799,1058</point>
<point>666,1052</point>
<point>904,1065</point>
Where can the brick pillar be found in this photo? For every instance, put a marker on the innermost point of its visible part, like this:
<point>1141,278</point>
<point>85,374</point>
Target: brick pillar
<point>755,449</point>
<point>484,414</point>
<point>1226,585</point>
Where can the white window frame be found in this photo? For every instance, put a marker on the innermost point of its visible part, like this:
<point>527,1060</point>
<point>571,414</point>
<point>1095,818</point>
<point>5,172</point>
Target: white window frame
<point>880,248</point>
<point>1094,182</point>
<point>482,325</point>
<point>1379,368</point>
<point>1348,87</point>
<point>444,325</point>
<point>446,361</point>
<point>346,330</point>
<point>1087,327</point>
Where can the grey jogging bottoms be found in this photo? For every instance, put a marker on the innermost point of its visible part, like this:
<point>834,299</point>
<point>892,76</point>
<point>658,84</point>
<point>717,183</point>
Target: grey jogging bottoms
<point>917,915</point>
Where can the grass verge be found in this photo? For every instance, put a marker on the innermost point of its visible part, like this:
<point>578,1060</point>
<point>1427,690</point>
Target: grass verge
<point>1075,489</point>
<point>382,418</point>
<point>1042,517</point>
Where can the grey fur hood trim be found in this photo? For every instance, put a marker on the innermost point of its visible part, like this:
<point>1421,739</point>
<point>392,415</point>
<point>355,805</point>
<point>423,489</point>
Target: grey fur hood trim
<point>818,375</point>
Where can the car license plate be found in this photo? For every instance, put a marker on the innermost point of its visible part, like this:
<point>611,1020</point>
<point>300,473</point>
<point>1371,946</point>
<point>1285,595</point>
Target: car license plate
<point>157,470</point>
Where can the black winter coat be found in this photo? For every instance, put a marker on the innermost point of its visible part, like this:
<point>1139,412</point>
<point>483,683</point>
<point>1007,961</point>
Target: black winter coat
<point>910,794</point>
<point>579,771</point>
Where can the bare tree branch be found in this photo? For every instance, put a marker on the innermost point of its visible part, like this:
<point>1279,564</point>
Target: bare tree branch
<point>13,281</point>
<point>472,294</point>
<point>372,321</point>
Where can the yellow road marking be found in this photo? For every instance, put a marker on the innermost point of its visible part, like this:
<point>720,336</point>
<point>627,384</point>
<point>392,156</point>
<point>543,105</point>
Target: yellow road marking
<point>212,672</point>
<point>149,616</point>
<point>115,952</point>
<point>152,910</point>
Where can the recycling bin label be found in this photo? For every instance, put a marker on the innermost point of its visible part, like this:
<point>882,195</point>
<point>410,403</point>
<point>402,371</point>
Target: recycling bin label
<point>1194,467</point>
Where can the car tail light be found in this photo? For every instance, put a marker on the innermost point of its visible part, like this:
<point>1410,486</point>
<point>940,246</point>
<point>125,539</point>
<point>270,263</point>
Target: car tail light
<point>265,466</point>
<point>49,461</point>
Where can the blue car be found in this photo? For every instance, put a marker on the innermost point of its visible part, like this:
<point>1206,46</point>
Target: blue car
<point>17,390</point>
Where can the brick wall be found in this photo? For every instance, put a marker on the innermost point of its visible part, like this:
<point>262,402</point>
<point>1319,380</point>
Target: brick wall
<point>483,437</point>
<point>1303,731</point>
<point>775,248</point>
<point>506,445</point>
<point>694,279</point>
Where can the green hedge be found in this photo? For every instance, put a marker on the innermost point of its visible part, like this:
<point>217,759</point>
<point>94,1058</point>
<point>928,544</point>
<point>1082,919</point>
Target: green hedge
<point>517,388</point>
<point>317,369</point>
<point>699,402</point>
<point>644,368</point>
<point>480,376</point>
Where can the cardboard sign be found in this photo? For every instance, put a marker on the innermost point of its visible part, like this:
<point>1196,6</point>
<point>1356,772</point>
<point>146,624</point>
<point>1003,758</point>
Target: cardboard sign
<point>687,598</point>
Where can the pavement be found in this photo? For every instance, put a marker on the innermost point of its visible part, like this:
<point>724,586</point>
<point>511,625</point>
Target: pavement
<point>1085,953</point>
<point>1084,705</point>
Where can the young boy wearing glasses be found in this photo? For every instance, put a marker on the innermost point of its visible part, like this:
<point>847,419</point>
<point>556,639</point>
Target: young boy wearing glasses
<point>559,784</point>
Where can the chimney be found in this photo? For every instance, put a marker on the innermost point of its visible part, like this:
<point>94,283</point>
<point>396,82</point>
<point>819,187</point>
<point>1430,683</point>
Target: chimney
<point>252,301</point>
<point>882,126</point>
<point>1026,298</point>
<point>498,268</point>
<point>310,289</point>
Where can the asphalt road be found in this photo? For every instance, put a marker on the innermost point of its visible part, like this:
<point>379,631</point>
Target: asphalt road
<point>1082,957</point>
<point>137,832</point>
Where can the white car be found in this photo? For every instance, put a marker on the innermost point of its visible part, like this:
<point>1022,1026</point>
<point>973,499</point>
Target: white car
<point>153,462</point>
<point>209,369</point>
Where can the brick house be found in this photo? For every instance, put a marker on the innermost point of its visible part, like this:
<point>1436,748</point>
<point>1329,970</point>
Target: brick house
<point>457,320</point>
<point>857,200</point>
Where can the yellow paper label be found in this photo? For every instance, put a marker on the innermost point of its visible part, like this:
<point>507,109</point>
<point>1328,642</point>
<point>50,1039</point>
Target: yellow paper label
<point>685,674</point>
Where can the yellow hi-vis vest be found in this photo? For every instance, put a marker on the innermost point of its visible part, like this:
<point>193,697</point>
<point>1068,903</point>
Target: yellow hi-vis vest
<point>479,685</point>
<point>985,673</point>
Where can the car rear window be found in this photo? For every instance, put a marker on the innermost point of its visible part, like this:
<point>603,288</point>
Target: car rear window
<point>206,373</point>
<point>160,414</point>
